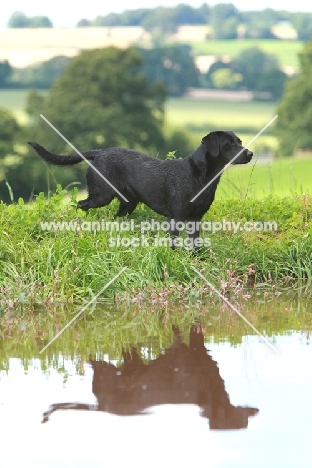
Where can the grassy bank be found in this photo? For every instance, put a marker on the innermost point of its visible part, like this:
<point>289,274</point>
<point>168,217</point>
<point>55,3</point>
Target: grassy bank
<point>40,268</point>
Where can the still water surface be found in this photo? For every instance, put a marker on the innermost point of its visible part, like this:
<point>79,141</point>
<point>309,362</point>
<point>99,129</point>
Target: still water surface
<point>198,402</point>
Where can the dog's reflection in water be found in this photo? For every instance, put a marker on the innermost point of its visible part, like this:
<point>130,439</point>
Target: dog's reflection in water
<point>182,375</point>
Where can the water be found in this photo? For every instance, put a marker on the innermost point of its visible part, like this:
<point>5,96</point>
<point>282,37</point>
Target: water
<point>193,399</point>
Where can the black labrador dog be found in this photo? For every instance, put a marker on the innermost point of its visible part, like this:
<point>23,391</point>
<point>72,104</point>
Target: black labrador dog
<point>166,186</point>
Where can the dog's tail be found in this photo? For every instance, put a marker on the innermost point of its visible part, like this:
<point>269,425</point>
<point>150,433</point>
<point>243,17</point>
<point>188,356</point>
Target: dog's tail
<point>62,160</point>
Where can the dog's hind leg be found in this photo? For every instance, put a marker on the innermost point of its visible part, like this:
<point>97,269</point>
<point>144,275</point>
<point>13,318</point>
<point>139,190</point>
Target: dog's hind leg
<point>94,202</point>
<point>126,207</point>
<point>194,234</point>
<point>96,198</point>
<point>100,193</point>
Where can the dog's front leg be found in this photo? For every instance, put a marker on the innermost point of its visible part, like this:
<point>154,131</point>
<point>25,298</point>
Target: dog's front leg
<point>193,233</point>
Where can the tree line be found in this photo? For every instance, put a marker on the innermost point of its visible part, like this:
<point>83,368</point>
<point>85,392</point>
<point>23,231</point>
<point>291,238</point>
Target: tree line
<point>174,66</point>
<point>224,19</point>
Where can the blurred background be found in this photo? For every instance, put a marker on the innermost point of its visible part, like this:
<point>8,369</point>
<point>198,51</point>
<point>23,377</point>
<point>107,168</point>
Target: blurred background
<point>157,79</point>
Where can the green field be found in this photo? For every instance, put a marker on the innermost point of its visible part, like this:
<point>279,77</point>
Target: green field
<point>225,114</point>
<point>286,51</point>
<point>14,101</point>
<point>199,117</point>
<point>282,177</point>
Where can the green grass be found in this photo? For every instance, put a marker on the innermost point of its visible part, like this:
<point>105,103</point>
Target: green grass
<point>286,51</point>
<point>282,177</point>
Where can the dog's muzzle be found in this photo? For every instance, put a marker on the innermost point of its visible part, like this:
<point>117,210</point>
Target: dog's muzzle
<point>243,158</point>
<point>249,155</point>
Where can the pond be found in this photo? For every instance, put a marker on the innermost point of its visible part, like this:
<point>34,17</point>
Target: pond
<point>142,392</point>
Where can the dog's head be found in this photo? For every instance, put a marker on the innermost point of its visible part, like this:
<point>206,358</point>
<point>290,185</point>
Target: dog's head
<point>227,147</point>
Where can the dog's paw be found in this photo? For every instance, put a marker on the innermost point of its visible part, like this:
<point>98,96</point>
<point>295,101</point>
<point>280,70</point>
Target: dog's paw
<point>83,205</point>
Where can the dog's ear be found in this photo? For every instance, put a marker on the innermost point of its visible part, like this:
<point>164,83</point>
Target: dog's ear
<point>211,142</point>
<point>209,145</point>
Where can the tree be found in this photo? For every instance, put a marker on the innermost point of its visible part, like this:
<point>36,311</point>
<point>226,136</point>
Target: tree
<point>9,137</point>
<point>251,63</point>
<point>259,24</point>
<point>40,22</point>
<point>83,23</point>
<point>174,66</point>
<point>162,20</point>
<point>272,81</point>
<point>34,103</point>
<point>258,31</point>
<point>266,18</point>
<point>227,29</point>
<point>185,14</point>
<point>127,18</point>
<point>253,70</point>
<point>178,141</point>
<point>18,19</point>
<point>223,11</point>
<point>206,79</point>
<point>302,23</point>
<point>225,20</point>
<point>294,124</point>
<point>103,100</point>
<point>41,75</point>
<point>5,73</point>
<point>225,78</point>
<point>9,130</point>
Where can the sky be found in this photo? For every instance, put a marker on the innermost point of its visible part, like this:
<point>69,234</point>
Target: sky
<point>67,14</point>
